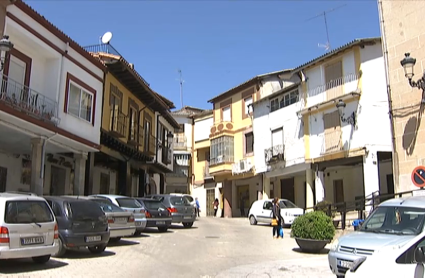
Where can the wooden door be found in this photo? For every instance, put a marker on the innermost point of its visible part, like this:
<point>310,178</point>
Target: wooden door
<point>3,179</point>
<point>332,125</point>
<point>287,189</point>
<point>210,200</point>
<point>338,191</point>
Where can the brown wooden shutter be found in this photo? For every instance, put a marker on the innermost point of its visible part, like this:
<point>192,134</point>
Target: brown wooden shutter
<point>332,134</point>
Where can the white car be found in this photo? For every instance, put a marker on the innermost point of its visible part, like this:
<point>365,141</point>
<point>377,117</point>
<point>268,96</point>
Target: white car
<point>28,228</point>
<point>406,261</point>
<point>261,211</point>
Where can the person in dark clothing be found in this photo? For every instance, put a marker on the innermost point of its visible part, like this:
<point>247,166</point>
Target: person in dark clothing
<point>277,215</point>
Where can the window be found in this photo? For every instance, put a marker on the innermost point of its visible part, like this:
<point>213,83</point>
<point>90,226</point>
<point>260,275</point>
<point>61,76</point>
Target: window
<point>267,205</point>
<point>226,114</point>
<point>277,137</point>
<point>80,102</point>
<point>222,150</point>
<point>108,207</point>
<point>132,130</point>
<point>147,133</point>
<point>18,212</point>
<point>128,203</point>
<point>154,205</point>
<point>333,74</point>
<point>247,102</point>
<point>179,201</point>
<point>249,143</point>
<point>286,100</point>
<point>85,210</point>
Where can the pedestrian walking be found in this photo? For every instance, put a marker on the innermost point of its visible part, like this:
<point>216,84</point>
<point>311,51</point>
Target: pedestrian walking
<point>198,207</point>
<point>277,218</point>
<point>215,204</point>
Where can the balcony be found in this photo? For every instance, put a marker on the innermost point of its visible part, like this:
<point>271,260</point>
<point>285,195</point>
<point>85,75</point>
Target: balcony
<point>149,144</point>
<point>179,171</point>
<point>206,171</point>
<point>118,122</point>
<point>180,142</point>
<point>221,128</point>
<point>332,90</point>
<point>28,101</point>
<point>275,154</point>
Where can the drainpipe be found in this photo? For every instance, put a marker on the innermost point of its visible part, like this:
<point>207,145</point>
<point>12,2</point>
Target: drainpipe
<point>59,83</point>
<point>385,54</point>
<point>43,152</point>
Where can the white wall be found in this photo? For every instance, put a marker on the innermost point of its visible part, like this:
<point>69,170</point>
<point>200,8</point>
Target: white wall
<point>187,122</point>
<point>202,128</point>
<point>293,133</point>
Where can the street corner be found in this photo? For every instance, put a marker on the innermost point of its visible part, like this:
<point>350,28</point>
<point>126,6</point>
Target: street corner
<point>315,267</point>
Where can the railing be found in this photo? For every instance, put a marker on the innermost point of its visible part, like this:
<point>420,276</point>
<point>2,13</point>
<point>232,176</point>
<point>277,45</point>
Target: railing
<point>206,171</point>
<point>335,88</point>
<point>118,122</point>
<point>104,47</point>
<point>331,142</point>
<point>180,142</point>
<point>179,171</point>
<point>362,205</point>
<point>274,154</point>
<point>221,159</point>
<point>28,101</point>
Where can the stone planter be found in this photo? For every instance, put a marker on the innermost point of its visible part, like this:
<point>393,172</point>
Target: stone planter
<point>311,245</point>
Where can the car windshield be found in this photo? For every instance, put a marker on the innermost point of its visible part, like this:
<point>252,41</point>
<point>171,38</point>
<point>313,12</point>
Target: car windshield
<point>153,204</point>
<point>128,203</point>
<point>85,210</point>
<point>18,212</point>
<point>395,220</point>
<point>287,204</point>
<point>108,207</point>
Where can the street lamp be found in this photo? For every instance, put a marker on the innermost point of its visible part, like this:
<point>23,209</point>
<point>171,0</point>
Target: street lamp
<point>350,119</point>
<point>408,64</point>
<point>5,46</point>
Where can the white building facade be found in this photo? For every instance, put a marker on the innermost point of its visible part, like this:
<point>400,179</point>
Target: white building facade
<point>50,107</point>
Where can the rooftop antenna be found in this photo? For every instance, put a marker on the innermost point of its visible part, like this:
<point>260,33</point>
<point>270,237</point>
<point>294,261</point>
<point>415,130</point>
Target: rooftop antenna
<point>105,39</point>
<point>181,86</point>
<point>327,45</point>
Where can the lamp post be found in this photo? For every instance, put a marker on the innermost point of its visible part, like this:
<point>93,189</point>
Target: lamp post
<point>350,119</point>
<point>408,64</point>
<point>5,46</point>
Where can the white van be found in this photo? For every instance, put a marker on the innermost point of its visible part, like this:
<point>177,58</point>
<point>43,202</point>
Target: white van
<point>28,228</point>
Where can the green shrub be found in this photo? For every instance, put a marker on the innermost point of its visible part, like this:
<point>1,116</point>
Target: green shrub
<point>324,206</point>
<point>313,225</point>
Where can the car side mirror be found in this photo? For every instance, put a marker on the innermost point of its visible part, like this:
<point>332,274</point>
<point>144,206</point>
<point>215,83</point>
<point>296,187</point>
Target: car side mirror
<point>419,256</point>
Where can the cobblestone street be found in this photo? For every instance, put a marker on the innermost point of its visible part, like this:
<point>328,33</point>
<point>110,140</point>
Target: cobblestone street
<point>214,247</point>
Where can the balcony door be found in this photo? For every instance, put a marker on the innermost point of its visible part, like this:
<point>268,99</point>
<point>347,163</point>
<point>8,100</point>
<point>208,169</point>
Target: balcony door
<point>277,141</point>
<point>18,69</point>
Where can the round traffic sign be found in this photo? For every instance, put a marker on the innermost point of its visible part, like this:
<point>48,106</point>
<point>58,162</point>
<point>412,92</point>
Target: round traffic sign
<point>418,176</point>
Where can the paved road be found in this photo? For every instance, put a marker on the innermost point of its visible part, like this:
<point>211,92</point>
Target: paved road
<point>214,247</point>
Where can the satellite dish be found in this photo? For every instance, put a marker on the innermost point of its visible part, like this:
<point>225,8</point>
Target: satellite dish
<point>106,38</point>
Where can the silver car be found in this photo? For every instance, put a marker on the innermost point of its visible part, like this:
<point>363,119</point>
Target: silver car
<point>131,205</point>
<point>391,225</point>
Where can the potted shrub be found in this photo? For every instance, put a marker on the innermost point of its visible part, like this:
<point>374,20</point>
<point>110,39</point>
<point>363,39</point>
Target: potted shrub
<point>312,231</point>
<point>324,206</point>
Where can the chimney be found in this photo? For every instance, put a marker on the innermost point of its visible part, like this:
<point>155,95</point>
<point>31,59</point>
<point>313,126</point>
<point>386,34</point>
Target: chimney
<point>131,65</point>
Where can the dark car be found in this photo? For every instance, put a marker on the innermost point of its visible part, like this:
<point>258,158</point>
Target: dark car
<point>179,206</point>
<point>157,214</point>
<point>82,223</point>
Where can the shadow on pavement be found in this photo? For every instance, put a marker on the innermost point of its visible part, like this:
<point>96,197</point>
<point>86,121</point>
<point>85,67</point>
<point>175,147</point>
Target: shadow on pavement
<point>152,230</point>
<point>141,235</point>
<point>27,265</point>
<point>85,254</point>
<point>122,242</point>
<point>322,252</point>
<point>180,227</point>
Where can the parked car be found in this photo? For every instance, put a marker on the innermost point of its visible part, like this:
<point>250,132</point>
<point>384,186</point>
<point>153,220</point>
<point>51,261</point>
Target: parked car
<point>180,208</point>
<point>191,200</point>
<point>157,214</point>
<point>261,212</point>
<point>390,226</point>
<point>28,228</point>
<point>121,222</point>
<point>407,261</point>
<point>82,223</point>
<point>131,205</point>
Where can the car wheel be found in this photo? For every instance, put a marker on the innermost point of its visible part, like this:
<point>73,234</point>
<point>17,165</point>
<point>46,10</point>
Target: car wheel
<point>62,249</point>
<point>252,220</point>
<point>41,259</point>
<point>97,249</point>
<point>114,239</point>
<point>188,225</point>
<point>339,276</point>
<point>162,229</point>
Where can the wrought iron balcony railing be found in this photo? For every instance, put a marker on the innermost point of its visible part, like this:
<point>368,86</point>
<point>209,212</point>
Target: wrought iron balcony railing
<point>274,154</point>
<point>118,122</point>
<point>28,101</point>
<point>221,159</point>
<point>179,171</point>
<point>102,48</point>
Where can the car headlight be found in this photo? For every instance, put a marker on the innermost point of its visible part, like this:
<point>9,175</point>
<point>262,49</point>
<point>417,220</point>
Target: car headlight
<point>357,263</point>
<point>334,245</point>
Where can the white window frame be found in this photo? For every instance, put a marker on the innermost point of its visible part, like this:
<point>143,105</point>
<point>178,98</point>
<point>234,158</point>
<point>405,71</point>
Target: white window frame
<point>230,113</point>
<point>247,105</point>
<point>79,109</point>
<point>282,99</point>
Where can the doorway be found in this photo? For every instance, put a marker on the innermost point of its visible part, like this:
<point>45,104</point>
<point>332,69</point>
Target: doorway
<point>210,201</point>
<point>57,181</point>
<point>3,179</point>
<point>338,191</point>
<point>287,189</point>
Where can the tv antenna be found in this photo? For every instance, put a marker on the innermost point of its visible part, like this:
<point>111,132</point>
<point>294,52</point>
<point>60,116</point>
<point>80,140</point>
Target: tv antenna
<point>327,45</point>
<point>181,86</point>
<point>105,39</point>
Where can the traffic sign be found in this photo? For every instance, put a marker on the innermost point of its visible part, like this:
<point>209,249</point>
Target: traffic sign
<point>418,176</point>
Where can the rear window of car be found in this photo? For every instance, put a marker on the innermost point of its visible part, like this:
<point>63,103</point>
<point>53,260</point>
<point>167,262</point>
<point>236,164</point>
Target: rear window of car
<point>108,207</point>
<point>178,201</point>
<point>20,212</point>
<point>128,203</point>
<point>190,198</point>
<point>85,210</point>
<point>154,205</point>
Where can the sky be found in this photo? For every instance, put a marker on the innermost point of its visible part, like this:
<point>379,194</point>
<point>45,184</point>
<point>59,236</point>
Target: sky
<point>218,44</point>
